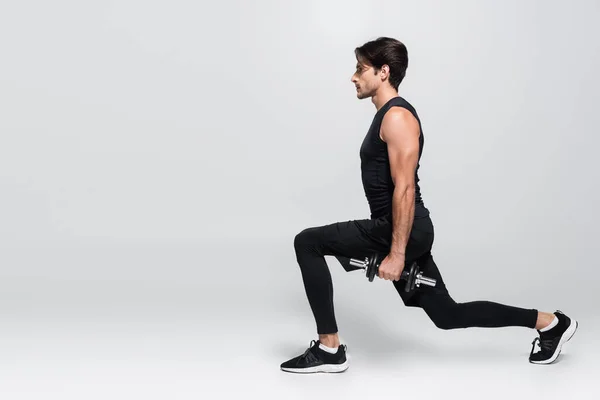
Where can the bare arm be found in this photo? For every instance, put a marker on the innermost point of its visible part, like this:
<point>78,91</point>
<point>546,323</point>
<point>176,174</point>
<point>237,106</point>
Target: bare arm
<point>400,130</point>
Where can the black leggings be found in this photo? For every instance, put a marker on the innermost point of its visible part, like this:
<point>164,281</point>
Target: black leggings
<point>360,239</point>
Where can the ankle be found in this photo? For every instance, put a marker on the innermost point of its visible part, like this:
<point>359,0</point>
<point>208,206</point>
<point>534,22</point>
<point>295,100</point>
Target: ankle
<point>330,340</point>
<point>544,319</point>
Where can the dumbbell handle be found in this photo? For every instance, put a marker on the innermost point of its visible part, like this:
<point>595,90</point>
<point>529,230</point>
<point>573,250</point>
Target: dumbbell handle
<point>358,263</point>
<point>423,280</point>
<point>420,279</point>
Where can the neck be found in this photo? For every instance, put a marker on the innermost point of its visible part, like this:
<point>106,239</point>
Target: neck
<point>383,95</point>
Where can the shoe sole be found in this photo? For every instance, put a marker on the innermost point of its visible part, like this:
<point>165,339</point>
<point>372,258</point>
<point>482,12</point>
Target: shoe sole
<point>564,339</point>
<point>328,368</point>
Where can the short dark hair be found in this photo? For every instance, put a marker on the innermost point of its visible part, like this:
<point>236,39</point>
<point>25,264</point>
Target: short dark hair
<point>385,50</point>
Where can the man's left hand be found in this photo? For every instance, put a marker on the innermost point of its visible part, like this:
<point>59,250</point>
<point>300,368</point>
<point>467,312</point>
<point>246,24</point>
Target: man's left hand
<point>391,267</point>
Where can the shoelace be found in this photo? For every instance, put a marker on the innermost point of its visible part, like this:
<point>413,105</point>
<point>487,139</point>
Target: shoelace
<point>308,353</point>
<point>544,344</point>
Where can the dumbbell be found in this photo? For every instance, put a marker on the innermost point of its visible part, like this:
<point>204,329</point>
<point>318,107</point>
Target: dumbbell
<point>413,276</point>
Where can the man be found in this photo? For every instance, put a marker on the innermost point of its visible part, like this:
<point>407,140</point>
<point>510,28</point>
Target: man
<point>400,227</point>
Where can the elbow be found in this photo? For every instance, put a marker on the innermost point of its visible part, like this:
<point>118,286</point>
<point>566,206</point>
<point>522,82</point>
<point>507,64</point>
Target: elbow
<point>405,187</point>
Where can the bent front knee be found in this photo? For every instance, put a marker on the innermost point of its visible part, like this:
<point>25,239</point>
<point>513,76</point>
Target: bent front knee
<point>306,238</point>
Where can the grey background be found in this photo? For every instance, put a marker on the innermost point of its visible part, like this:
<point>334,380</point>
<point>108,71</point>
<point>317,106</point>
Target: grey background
<point>157,159</point>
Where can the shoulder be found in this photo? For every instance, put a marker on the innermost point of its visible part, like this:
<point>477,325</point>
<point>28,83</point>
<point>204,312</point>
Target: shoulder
<point>398,121</point>
<point>398,114</point>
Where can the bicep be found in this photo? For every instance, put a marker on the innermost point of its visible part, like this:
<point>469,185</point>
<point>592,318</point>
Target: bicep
<point>401,133</point>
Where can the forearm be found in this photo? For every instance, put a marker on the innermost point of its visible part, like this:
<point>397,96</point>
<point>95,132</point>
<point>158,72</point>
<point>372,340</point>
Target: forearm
<point>403,211</point>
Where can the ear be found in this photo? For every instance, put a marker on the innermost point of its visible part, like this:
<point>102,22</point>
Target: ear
<point>384,71</point>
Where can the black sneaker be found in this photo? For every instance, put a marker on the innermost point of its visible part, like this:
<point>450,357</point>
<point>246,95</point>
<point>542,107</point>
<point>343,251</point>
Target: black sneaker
<point>316,359</point>
<point>551,342</point>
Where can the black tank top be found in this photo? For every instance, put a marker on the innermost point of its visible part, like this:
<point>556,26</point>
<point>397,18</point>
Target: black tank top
<point>375,166</point>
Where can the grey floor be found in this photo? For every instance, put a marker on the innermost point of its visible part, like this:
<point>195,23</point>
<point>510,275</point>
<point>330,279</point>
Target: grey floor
<point>184,321</point>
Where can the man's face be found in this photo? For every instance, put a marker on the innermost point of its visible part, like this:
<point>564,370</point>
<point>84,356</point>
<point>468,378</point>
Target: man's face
<point>366,80</point>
